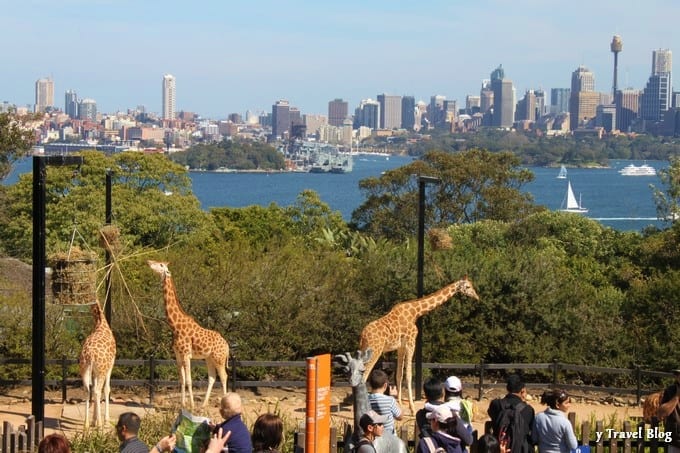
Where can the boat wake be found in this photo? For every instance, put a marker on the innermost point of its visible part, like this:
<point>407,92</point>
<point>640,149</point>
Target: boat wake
<point>624,218</point>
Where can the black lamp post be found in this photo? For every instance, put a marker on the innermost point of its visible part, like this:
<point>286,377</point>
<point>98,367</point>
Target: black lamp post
<point>40,164</point>
<point>422,182</point>
<point>109,217</point>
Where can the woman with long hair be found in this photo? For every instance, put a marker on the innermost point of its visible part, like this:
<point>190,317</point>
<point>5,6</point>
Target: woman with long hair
<point>267,433</point>
<point>552,431</point>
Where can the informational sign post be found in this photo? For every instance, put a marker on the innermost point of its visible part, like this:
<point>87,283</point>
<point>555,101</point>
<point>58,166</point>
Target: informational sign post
<point>318,415</point>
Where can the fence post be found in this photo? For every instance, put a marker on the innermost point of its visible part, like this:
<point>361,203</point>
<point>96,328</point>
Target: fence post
<point>152,379</point>
<point>554,373</point>
<point>481,380</point>
<point>638,383</point>
<point>63,379</point>
<point>233,361</point>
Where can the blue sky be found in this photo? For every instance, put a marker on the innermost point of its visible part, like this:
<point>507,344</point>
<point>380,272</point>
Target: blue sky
<point>237,56</point>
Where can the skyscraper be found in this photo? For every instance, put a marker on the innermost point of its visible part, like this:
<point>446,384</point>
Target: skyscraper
<point>44,94</point>
<point>87,110</point>
<point>503,99</point>
<point>616,47</point>
<point>168,97</point>
<point>408,112</point>
<point>71,104</point>
<point>559,100</point>
<point>390,111</point>
<point>367,114</point>
<point>337,112</point>
<point>280,119</point>
<point>583,100</point>
<point>627,106</point>
<point>657,96</point>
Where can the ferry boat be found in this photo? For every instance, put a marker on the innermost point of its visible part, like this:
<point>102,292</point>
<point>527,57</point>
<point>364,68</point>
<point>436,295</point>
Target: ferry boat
<point>634,170</point>
<point>315,157</point>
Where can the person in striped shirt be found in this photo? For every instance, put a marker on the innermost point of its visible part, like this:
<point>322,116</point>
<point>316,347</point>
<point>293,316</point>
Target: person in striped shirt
<point>381,401</point>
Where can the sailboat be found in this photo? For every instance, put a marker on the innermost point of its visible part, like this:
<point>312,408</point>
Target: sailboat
<point>572,204</point>
<point>563,173</point>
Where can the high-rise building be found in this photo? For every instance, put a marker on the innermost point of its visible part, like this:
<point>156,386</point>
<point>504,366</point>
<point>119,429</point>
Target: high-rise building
<point>541,104</point>
<point>44,94</point>
<point>657,95</point>
<point>367,114</point>
<point>583,100</point>
<point>616,46</point>
<point>87,110</point>
<point>337,112</point>
<point>169,97</point>
<point>605,117</point>
<point>559,100</point>
<point>435,111</point>
<point>526,107</point>
<point>503,99</point>
<point>280,119</point>
<point>485,96</point>
<point>627,107</point>
<point>71,104</point>
<point>408,112</point>
<point>472,104</point>
<point>390,111</point>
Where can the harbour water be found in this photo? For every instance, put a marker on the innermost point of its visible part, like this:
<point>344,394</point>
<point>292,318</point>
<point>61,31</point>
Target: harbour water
<point>622,202</point>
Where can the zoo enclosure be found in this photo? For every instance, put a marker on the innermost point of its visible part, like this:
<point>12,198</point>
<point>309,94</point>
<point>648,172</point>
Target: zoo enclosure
<point>484,374</point>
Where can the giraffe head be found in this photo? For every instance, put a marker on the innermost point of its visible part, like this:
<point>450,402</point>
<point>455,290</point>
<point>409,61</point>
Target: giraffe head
<point>465,287</point>
<point>160,267</point>
<point>354,367</point>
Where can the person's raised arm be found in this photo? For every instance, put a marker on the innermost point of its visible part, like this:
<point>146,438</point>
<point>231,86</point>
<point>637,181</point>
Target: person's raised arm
<point>218,442</point>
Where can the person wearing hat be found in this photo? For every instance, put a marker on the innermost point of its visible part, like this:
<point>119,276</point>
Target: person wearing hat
<point>453,394</point>
<point>448,432</point>
<point>669,411</point>
<point>373,425</point>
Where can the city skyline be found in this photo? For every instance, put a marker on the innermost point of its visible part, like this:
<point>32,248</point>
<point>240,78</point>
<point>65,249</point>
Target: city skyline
<point>233,58</point>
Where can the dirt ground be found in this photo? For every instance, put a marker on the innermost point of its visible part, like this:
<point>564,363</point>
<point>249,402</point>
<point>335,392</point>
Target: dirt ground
<point>15,406</point>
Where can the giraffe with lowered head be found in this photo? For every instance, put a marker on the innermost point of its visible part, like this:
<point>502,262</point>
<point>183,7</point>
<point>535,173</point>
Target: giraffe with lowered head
<point>190,340</point>
<point>96,364</point>
<point>397,331</point>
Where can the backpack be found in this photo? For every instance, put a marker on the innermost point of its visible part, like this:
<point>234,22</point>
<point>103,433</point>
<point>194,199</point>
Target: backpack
<point>510,427</point>
<point>432,448</point>
<point>361,442</point>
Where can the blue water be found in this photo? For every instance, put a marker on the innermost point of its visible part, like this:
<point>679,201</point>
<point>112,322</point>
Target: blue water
<point>624,203</point>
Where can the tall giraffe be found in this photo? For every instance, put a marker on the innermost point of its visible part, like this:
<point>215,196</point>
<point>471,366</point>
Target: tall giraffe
<point>397,330</point>
<point>191,340</point>
<point>96,363</point>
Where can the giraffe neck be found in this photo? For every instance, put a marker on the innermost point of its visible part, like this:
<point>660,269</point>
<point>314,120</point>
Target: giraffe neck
<point>98,316</point>
<point>428,303</point>
<point>173,310</point>
<point>361,406</point>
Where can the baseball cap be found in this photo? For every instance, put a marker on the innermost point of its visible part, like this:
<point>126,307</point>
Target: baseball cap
<point>441,413</point>
<point>371,418</point>
<point>453,384</point>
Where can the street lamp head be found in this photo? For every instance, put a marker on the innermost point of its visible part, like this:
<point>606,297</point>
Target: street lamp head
<point>429,179</point>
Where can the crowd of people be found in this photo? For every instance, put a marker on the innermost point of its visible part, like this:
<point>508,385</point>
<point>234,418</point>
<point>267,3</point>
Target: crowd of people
<point>444,424</point>
<point>230,435</point>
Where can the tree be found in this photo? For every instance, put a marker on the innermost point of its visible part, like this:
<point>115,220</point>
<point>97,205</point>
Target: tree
<point>152,203</point>
<point>475,185</point>
<point>668,201</point>
<point>16,139</point>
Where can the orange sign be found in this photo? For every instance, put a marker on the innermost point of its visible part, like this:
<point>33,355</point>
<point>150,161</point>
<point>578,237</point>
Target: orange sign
<point>318,417</point>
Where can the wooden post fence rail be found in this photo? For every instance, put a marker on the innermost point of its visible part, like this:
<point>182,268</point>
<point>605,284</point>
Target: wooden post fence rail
<point>24,438</point>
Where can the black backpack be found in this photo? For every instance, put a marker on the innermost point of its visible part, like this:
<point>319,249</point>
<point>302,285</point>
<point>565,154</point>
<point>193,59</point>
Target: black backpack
<point>510,427</point>
<point>361,442</point>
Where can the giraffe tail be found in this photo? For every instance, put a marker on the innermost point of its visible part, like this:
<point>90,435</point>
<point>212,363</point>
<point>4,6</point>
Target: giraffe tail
<point>86,375</point>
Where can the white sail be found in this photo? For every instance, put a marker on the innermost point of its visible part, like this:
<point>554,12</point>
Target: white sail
<point>573,205</point>
<point>563,173</point>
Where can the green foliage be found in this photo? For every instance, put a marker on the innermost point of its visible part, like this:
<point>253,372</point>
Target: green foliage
<point>16,139</point>
<point>668,200</point>
<point>151,201</point>
<point>475,185</point>
<point>232,154</point>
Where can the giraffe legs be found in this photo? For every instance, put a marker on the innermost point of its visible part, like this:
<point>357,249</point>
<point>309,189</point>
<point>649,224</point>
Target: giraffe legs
<point>408,362</point>
<point>212,373</point>
<point>184,365</point>
<point>371,363</point>
<point>97,390</point>
<point>107,394</point>
<point>399,372</point>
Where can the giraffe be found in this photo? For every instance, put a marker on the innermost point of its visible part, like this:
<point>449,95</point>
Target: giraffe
<point>354,367</point>
<point>397,330</point>
<point>96,363</point>
<point>190,340</point>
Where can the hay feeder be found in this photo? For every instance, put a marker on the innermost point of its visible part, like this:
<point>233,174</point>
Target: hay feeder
<point>74,277</point>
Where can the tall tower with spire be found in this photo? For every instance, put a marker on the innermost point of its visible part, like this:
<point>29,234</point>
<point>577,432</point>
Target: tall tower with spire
<point>616,47</point>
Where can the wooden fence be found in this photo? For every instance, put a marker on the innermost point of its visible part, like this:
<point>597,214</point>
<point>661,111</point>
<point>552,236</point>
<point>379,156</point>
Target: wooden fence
<point>638,378</point>
<point>22,439</point>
